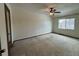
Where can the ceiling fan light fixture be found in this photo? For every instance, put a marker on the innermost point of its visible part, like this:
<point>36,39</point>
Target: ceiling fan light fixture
<point>51,13</point>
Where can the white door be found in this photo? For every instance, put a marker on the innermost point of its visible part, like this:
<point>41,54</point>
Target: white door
<point>1,50</point>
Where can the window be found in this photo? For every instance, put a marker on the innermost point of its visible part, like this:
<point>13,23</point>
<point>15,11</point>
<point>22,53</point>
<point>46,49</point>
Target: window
<point>61,24</point>
<point>66,23</point>
<point>70,23</point>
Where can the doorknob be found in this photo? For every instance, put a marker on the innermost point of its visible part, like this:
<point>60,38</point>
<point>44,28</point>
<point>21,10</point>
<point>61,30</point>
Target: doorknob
<point>2,51</point>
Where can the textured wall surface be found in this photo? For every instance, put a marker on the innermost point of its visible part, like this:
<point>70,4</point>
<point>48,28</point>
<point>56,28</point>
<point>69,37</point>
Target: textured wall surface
<point>28,23</point>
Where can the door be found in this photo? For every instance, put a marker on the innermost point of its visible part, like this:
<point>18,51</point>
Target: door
<point>8,27</point>
<point>0,46</point>
<point>1,50</point>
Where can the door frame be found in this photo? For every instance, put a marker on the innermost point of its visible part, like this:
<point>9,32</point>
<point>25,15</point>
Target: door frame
<point>6,9</point>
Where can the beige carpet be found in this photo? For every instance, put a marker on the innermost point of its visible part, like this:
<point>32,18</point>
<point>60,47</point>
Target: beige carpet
<point>46,45</point>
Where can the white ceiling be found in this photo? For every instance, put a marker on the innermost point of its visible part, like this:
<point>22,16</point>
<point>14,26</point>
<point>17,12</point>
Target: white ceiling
<point>65,8</point>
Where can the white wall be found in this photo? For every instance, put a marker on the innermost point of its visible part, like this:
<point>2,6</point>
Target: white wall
<point>74,33</point>
<point>3,30</point>
<point>28,23</point>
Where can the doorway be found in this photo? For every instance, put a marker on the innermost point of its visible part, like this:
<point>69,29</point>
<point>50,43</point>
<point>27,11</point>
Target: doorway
<point>8,27</point>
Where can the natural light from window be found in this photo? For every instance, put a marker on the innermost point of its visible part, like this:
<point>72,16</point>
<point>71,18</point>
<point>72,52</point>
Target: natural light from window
<point>61,24</point>
<point>66,23</point>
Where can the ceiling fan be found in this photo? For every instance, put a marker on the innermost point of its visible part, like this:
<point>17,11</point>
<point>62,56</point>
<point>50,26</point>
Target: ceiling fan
<point>50,8</point>
<point>52,11</point>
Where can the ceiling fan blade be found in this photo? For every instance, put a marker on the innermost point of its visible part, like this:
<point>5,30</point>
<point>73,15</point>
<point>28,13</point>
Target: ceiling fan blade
<point>57,12</point>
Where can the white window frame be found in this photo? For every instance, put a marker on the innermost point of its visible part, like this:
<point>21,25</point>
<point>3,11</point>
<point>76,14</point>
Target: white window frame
<point>67,23</point>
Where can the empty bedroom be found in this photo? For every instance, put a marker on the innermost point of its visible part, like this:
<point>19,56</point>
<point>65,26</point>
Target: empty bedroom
<point>39,29</point>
